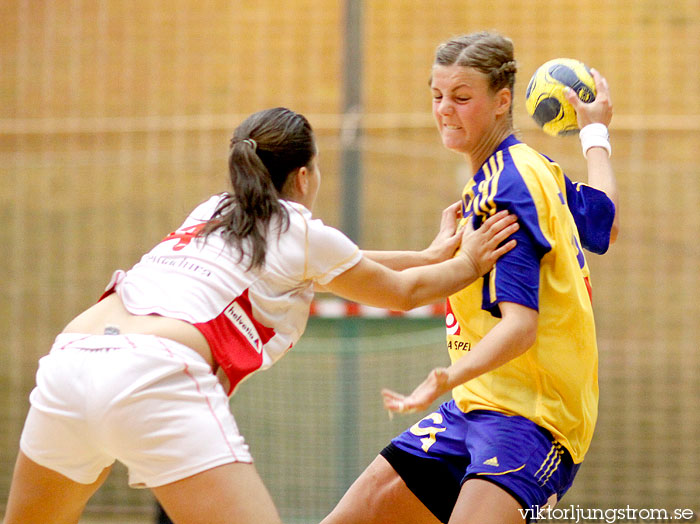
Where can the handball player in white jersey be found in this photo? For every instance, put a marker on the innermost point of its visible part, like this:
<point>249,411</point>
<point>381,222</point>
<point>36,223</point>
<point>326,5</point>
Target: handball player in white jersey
<point>143,376</point>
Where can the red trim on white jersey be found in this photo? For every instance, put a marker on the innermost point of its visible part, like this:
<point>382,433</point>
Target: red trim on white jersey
<point>250,318</point>
<point>236,339</point>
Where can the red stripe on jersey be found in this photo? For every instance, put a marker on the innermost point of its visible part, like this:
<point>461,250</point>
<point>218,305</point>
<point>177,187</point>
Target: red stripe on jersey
<point>589,288</point>
<point>236,339</point>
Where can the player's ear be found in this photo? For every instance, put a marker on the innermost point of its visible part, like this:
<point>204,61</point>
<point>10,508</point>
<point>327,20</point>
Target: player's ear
<point>294,186</point>
<point>301,180</point>
<point>504,98</point>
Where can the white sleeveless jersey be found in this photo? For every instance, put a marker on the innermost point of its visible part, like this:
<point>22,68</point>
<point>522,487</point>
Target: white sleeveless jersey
<point>250,318</point>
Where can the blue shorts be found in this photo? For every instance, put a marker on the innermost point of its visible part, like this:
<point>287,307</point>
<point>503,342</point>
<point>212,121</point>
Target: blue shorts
<point>445,449</point>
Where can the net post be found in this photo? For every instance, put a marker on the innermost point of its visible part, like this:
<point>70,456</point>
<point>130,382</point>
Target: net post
<point>351,196</point>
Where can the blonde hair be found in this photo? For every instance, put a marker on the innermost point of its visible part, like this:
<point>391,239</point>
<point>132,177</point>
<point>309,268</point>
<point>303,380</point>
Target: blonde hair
<point>488,53</point>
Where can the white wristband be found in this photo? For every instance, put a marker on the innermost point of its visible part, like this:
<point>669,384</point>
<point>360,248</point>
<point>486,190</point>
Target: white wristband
<point>595,135</point>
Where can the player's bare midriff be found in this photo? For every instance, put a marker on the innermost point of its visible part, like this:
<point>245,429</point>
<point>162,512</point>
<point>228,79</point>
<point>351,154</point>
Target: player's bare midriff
<point>111,313</point>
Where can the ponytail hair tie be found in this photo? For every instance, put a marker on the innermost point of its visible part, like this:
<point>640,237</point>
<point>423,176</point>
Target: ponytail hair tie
<point>252,143</point>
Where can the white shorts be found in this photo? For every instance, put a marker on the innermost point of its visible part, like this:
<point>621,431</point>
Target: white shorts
<point>148,402</point>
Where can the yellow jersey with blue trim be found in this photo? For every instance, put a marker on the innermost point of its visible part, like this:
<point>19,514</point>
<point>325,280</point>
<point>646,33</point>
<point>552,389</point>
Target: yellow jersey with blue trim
<point>555,382</point>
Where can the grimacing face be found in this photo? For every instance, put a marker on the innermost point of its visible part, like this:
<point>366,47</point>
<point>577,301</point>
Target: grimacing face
<point>464,107</point>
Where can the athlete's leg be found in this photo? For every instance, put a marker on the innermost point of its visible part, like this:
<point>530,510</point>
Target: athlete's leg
<point>39,495</point>
<point>482,502</point>
<point>222,495</point>
<point>380,496</point>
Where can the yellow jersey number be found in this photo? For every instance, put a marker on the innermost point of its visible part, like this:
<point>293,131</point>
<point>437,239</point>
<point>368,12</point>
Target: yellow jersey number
<point>430,431</point>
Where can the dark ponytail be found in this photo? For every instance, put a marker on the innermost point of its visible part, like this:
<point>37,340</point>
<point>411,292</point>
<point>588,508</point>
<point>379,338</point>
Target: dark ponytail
<point>265,149</point>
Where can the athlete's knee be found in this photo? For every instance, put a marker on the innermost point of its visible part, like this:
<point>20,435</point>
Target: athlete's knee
<point>360,502</point>
<point>379,495</point>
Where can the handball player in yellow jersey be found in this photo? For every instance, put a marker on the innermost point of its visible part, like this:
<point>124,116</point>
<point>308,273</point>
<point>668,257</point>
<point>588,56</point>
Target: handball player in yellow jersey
<point>521,339</point>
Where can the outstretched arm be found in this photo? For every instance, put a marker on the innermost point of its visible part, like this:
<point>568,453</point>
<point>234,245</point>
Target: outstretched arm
<point>600,172</point>
<point>374,284</point>
<point>508,339</point>
<point>442,247</point>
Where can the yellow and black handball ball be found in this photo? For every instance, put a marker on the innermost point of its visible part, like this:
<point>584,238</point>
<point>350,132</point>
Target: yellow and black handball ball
<point>545,100</point>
